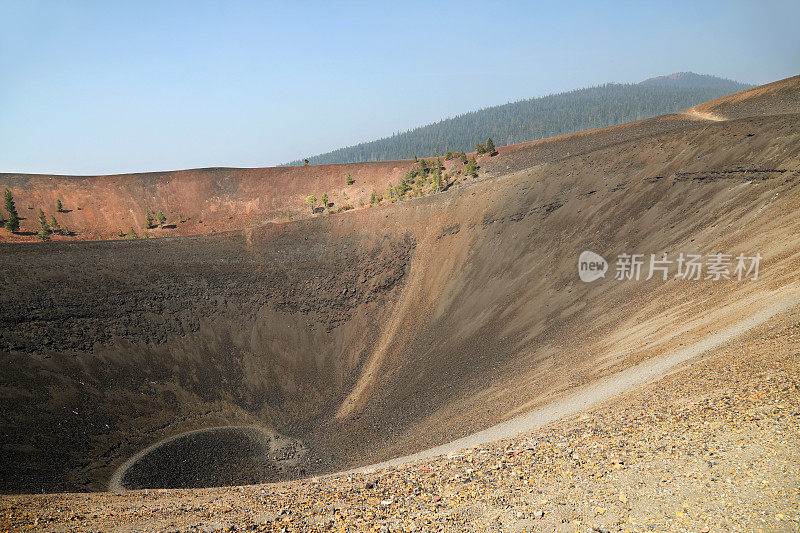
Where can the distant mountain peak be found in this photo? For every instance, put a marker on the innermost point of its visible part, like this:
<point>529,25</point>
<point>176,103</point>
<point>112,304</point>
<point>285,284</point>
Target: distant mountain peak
<point>691,79</point>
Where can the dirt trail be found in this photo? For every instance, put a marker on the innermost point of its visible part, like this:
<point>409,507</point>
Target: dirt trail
<point>705,115</point>
<point>596,393</point>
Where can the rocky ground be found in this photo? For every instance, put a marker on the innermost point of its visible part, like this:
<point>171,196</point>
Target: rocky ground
<point>712,447</point>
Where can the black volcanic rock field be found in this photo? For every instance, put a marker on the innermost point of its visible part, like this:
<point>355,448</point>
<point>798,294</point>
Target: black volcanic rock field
<point>195,459</point>
<point>181,340</point>
<point>379,332</point>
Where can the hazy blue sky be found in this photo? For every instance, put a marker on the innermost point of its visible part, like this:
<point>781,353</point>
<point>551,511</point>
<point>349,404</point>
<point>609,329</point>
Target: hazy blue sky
<point>115,86</point>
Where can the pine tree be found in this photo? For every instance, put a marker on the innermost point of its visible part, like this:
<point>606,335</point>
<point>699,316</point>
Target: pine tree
<point>54,226</point>
<point>349,180</point>
<point>44,229</point>
<point>12,223</point>
<point>59,207</point>
<point>312,201</point>
<point>160,218</point>
<point>472,168</point>
<point>148,220</point>
<point>490,147</point>
<point>438,184</point>
<point>325,200</point>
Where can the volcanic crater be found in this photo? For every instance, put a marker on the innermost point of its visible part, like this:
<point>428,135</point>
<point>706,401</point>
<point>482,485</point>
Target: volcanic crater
<point>243,347</point>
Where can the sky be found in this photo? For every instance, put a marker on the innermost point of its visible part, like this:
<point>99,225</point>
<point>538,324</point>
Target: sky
<point>113,87</point>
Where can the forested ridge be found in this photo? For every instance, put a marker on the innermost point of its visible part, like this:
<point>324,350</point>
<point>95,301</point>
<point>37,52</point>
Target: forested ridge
<point>538,118</point>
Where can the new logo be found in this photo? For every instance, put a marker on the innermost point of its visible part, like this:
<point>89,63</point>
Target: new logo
<point>591,266</point>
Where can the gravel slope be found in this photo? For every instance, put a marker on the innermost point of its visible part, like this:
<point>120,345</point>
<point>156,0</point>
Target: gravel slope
<point>596,393</point>
<point>712,447</point>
